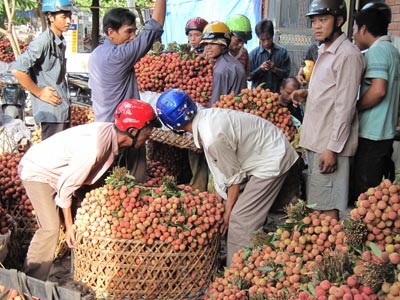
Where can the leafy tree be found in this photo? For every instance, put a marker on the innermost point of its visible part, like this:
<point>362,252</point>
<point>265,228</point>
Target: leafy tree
<point>98,9</point>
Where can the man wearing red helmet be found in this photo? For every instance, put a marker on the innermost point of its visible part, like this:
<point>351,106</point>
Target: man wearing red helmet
<point>54,169</point>
<point>194,30</point>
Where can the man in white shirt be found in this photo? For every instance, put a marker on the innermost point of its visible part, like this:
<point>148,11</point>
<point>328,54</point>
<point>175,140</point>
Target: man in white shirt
<point>248,157</point>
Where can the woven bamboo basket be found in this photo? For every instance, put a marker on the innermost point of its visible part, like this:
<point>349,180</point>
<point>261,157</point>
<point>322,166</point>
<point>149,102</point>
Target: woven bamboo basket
<point>128,269</point>
<point>168,137</point>
<point>22,234</point>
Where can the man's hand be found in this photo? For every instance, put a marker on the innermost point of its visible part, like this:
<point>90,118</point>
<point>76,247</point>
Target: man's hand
<point>70,236</point>
<point>298,97</point>
<point>301,77</point>
<point>225,225</point>
<point>267,66</point>
<point>49,95</point>
<point>270,65</point>
<point>327,162</point>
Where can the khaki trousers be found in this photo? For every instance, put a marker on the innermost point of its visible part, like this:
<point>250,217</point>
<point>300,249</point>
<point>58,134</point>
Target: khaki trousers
<point>199,167</point>
<point>250,212</point>
<point>44,242</point>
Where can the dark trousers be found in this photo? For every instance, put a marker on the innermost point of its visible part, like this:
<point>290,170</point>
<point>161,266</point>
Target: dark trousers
<point>135,161</point>
<point>372,162</point>
<point>48,129</point>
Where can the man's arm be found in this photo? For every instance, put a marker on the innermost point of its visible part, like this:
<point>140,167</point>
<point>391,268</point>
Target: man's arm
<point>283,70</point>
<point>46,94</point>
<point>233,195</point>
<point>374,95</point>
<point>159,11</point>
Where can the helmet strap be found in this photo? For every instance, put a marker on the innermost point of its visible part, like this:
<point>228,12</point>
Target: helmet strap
<point>133,137</point>
<point>335,29</point>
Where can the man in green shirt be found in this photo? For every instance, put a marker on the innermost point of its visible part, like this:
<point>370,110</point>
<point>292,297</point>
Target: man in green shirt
<point>379,98</point>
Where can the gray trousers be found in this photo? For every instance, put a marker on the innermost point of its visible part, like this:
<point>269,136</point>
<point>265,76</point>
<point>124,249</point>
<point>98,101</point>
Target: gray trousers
<point>41,250</point>
<point>250,211</point>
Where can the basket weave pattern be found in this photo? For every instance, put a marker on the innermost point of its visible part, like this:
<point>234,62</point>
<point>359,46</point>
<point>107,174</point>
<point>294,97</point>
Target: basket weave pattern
<point>121,268</point>
<point>168,137</point>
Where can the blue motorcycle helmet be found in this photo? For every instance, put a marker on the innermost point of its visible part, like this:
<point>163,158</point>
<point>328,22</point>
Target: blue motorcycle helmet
<point>175,109</point>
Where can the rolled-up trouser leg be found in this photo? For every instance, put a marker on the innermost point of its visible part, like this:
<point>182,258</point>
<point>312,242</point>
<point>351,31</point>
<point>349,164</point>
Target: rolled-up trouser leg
<point>250,211</point>
<point>44,242</point>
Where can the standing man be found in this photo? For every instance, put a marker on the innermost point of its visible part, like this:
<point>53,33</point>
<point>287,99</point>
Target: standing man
<point>269,63</point>
<point>112,76</point>
<point>53,170</point>
<point>240,28</point>
<point>330,125</point>
<point>194,30</point>
<point>41,69</point>
<point>248,157</point>
<point>379,98</point>
<point>228,74</point>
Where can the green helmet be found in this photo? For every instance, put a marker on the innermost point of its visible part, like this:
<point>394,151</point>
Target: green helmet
<point>240,26</point>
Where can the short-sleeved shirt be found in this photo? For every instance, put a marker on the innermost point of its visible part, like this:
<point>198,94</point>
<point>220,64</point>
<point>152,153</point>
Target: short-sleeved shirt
<point>281,59</point>
<point>382,61</point>
<point>238,145</point>
<point>71,158</point>
<point>112,76</point>
<point>45,61</point>
<point>228,76</point>
<point>330,120</point>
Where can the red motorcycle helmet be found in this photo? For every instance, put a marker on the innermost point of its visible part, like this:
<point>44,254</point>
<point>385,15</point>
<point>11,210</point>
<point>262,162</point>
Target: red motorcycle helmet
<point>195,24</point>
<point>136,114</point>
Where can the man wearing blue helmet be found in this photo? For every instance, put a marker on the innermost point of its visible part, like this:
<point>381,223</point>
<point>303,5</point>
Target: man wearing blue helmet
<point>41,69</point>
<point>248,157</point>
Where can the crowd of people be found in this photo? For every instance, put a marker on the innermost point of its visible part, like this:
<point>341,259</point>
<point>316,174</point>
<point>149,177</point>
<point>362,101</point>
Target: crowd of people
<point>347,115</point>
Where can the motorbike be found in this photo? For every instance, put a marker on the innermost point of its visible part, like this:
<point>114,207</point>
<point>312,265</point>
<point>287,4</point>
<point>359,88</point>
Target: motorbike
<point>12,96</point>
<point>79,90</point>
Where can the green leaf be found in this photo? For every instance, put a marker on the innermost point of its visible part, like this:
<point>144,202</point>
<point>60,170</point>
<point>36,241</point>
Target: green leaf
<point>311,289</point>
<point>247,253</point>
<point>279,274</point>
<point>375,249</point>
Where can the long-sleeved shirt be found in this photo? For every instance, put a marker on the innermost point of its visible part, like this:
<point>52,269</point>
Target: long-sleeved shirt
<point>243,58</point>
<point>45,61</point>
<point>228,76</point>
<point>71,158</point>
<point>281,59</point>
<point>238,145</point>
<point>112,76</point>
<point>330,120</point>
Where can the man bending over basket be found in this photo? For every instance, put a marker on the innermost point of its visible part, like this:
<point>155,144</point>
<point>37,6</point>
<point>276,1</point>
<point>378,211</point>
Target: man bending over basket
<point>54,169</point>
<point>248,157</point>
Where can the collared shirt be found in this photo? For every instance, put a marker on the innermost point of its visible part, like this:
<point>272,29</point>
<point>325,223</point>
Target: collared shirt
<point>382,61</point>
<point>281,59</point>
<point>228,76</point>
<point>71,158</point>
<point>112,76</point>
<point>330,120</point>
<point>45,61</point>
<point>238,145</point>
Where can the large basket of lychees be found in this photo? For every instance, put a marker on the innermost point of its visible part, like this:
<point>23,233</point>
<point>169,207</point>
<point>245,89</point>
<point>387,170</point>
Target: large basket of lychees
<point>138,242</point>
